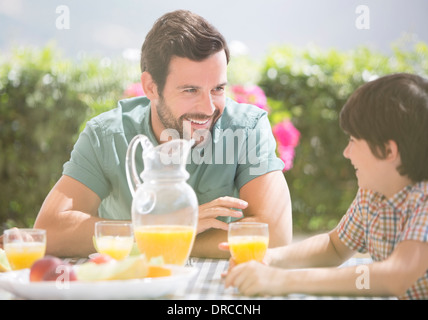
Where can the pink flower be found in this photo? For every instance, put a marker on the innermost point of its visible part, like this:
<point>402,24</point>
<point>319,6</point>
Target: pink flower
<point>286,153</point>
<point>251,95</point>
<point>288,138</point>
<point>134,90</point>
<point>286,133</point>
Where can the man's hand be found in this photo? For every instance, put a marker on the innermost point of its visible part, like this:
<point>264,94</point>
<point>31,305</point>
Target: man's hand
<point>221,207</point>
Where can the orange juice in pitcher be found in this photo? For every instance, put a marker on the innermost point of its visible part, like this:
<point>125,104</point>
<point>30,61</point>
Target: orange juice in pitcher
<point>164,206</point>
<point>172,242</point>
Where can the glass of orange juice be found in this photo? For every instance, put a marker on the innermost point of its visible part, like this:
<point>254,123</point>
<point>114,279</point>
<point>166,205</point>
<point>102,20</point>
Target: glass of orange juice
<point>248,241</point>
<point>24,246</point>
<point>114,238</point>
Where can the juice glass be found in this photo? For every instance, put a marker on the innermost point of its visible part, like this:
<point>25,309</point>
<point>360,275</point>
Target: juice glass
<point>114,238</point>
<point>24,246</point>
<point>171,242</point>
<point>248,241</point>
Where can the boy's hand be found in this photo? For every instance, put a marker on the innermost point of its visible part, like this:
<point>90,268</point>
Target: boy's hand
<point>255,278</point>
<point>225,247</point>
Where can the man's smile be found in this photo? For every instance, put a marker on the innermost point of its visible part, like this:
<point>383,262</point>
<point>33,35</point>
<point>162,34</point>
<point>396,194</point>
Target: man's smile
<point>198,122</point>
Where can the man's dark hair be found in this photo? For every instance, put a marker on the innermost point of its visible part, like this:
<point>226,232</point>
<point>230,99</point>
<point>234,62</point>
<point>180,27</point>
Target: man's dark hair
<point>179,33</point>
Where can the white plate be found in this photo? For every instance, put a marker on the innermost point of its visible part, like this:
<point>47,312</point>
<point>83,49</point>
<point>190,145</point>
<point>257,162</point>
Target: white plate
<point>17,282</point>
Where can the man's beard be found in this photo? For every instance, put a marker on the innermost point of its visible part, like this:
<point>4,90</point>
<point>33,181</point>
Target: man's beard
<point>182,126</point>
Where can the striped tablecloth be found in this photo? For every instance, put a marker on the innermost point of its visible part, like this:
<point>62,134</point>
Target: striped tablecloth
<point>209,285</point>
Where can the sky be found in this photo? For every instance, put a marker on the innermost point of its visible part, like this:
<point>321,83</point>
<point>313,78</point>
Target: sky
<point>112,27</point>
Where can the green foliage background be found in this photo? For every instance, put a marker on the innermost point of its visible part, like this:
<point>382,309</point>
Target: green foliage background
<point>45,100</point>
<point>313,85</point>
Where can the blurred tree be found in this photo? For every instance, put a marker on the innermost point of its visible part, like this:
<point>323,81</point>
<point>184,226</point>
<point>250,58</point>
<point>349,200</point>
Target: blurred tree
<point>45,101</point>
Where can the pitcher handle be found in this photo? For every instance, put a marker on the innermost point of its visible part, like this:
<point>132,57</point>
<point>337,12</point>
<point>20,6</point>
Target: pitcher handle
<point>131,172</point>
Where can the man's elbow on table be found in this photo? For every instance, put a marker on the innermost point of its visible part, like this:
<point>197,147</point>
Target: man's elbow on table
<point>52,243</point>
<point>280,235</point>
<point>280,229</point>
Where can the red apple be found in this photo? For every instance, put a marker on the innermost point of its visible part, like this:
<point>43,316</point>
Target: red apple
<point>63,272</point>
<point>42,266</point>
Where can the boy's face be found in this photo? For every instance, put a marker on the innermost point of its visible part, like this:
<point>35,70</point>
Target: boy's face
<point>372,173</point>
<point>194,95</point>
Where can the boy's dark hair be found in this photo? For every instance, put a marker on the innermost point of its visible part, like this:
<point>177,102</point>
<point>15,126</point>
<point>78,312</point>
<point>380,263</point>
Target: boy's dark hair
<point>393,107</point>
<point>179,33</point>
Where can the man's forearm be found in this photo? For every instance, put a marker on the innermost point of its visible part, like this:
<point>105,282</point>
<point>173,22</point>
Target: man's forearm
<point>70,234</point>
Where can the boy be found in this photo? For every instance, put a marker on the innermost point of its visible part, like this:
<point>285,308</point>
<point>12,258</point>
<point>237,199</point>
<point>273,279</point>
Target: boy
<point>387,120</point>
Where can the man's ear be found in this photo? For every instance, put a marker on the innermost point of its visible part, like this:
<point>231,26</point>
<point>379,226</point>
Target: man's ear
<point>149,86</point>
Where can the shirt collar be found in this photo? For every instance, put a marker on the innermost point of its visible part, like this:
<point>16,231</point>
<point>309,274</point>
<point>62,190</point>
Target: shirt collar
<point>399,198</point>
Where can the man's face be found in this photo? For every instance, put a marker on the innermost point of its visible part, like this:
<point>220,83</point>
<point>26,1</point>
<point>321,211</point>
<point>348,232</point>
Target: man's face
<point>193,97</point>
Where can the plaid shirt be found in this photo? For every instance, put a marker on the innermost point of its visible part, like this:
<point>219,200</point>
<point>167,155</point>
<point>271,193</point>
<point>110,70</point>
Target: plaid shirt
<point>375,224</point>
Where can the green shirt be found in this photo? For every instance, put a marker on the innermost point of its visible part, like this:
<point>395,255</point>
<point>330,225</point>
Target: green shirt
<point>242,148</point>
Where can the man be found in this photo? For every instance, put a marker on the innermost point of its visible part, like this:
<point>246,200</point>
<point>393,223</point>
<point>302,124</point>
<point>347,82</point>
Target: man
<point>184,73</point>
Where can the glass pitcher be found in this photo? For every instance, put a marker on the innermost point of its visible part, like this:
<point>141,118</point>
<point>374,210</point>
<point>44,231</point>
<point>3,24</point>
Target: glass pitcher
<point>164,206</point>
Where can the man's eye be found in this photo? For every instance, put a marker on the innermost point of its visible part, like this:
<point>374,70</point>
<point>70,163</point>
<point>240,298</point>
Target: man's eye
<point>190,90</point>
<point>219,89</point>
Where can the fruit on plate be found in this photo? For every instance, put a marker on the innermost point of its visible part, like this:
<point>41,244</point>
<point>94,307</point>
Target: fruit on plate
<point>64,272</point>
<point>42,266</point>
<point>4,263</point>
<point>135,251</point>
<point>101,258</point>
<point>157,268</point>
<point>134,267</point>
<point>51,268</point>
<point>158,271</point>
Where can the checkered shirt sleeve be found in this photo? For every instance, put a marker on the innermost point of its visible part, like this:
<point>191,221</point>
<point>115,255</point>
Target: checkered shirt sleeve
<point>351,228</point>
<point>417,226</point>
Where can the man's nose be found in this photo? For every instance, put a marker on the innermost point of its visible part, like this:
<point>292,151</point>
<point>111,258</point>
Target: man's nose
<point>206,105</point>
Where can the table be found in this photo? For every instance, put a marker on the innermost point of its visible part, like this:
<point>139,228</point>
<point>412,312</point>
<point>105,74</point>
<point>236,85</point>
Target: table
<point>208,284</point>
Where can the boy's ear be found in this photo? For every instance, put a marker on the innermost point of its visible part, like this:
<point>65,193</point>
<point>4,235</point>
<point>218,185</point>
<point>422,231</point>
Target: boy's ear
<point>149,86</point>
<point>391,148</point>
